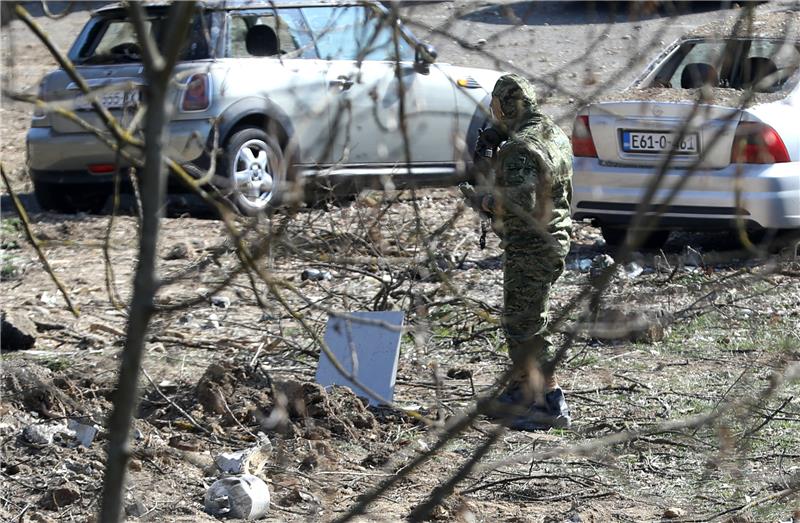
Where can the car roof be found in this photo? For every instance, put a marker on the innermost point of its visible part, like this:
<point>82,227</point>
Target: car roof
<point>222,5</point>
<point>781,24</point>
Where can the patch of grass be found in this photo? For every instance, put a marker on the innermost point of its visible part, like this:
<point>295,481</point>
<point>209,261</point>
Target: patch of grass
<point>9,266</point>
<point>56,364</point>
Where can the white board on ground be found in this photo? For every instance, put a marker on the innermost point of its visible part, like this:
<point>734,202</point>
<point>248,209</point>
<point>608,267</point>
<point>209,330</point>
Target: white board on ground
<point>367,345</point>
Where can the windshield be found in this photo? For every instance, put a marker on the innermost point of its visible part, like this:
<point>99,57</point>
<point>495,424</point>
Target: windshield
<point>113,40</point>
<point>763,65</point>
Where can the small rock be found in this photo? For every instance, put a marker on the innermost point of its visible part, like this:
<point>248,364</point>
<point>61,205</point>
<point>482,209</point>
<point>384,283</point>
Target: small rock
<point>179,251</point>
<point>459,373</point>
<point>223,302</point>
<point>59,497</point>
<point>35,517</point>
<point>183,442</point>
<point>315,275</point>
<point>212,323</point>
<point>627,37</point>
<point>136,509</point>
<point>673,513</point>
<point>85,434</point>
<point>481,42</point>
<point>18,332</point>
<point>244,497</point>
<point>633,270</point>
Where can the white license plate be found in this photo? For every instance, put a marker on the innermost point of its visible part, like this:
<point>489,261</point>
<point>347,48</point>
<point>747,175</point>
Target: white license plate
<point>112,100</point>
<point>656,142</point>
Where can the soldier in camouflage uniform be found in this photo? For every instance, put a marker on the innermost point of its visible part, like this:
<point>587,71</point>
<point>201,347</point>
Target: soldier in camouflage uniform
<point>529,203</point>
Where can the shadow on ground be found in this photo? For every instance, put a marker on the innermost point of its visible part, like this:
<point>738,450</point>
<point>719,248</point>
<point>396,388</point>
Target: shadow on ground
<point>572,13</point>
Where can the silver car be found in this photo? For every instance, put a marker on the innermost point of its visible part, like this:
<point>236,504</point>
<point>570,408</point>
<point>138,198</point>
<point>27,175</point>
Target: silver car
<point>710,130</point>
<point>267,95</point>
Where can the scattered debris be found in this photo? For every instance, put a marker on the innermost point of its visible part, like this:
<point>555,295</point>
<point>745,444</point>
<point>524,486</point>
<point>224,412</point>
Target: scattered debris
<point>243,497</point>
<point>42,435</point>
<point>459,373</point>
<point>633,270</point>
<point>673,513</point>
<point>59,497</point>
<point>212,323</point>
<point>642,326</point>
<point>250,461</point>
<point>223,302</point>
<point>315,275</point>
<point>179,251</point>
<point>136,509</point>
<point>85,434</point>
<point>18,332</point>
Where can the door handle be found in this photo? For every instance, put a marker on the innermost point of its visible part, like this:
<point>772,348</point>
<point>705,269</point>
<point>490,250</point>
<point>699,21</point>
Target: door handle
<point>343,83</point>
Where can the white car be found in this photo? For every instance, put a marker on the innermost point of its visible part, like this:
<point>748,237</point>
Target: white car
<point>271,93</point>
<point>707,137</point>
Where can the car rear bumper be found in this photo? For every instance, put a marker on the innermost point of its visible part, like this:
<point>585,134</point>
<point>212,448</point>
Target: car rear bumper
<point>71,153</point>
<point>769,195</point>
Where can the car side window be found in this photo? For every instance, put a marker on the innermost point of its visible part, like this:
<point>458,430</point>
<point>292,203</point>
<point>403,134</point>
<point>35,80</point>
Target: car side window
<point>355,33</point>
<point>294,39</point>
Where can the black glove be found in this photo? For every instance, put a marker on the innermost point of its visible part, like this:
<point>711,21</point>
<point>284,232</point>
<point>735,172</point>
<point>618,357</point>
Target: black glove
<point>486,144</point>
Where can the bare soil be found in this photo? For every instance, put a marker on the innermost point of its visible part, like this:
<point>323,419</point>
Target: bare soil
<point>217,375</point>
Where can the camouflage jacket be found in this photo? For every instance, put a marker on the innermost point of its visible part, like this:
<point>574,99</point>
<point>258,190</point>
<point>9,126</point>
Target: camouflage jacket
<point>533,171</point>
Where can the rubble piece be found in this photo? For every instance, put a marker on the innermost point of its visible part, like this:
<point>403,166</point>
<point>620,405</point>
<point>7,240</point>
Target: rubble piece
<point>250,461</point>
<point>643,326</point>
<point>673,513</point>
<point>223,302</point>
<point>315,275</point>
<point>59,497</point>
<point>633,270</point>
<point>692,257</point>
<point>136,509</point>
<point>179,251</point>
<point>44,434</point>
<point>18,332</point>
<point>212,323</point>
<point>85,434</point>
<point>375,340</point>
<point>459,373</point>
<point>243,497</point>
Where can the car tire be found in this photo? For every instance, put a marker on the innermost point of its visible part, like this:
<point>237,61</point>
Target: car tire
<point>71,198</point>
<point>615,237</point>
<point>254,165</point>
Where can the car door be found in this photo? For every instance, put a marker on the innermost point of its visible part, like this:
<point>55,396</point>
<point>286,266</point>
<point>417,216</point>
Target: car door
<point>291,82</point>
<point>383,109</point>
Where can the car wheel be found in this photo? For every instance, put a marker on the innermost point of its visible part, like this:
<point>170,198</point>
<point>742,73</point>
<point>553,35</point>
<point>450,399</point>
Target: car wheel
<point>615,237</point>
<point>71,198</point>
<point>255,167</point>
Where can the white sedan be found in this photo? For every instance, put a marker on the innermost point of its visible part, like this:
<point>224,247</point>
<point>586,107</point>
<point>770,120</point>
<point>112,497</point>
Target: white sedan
<point>707,138</point>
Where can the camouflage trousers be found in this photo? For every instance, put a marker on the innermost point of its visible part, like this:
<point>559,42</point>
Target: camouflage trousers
<point>529,272</point>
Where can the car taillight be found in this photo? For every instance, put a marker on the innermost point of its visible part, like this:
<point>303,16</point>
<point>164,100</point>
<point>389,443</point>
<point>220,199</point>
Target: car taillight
<point>756,142</point>
<point>582,143</point>
<point>196,97</point>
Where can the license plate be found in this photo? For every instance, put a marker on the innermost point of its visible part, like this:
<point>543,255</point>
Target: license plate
<point>656,142</point>
<point>112,100</point>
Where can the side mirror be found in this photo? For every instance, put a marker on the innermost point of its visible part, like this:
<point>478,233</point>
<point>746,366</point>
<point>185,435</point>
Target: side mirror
<point>425,55</point>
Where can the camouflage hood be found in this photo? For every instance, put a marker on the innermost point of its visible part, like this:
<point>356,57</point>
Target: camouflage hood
<point>518,102</point>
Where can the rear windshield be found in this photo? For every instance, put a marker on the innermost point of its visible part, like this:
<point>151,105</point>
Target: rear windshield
<point>113,40</point>
<point>763,65</point>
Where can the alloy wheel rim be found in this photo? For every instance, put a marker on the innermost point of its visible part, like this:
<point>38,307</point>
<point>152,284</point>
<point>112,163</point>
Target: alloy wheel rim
<point>253,172</point>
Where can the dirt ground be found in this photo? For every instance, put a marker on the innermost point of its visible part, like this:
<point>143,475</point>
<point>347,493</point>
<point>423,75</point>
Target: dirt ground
<point>720,327</point>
